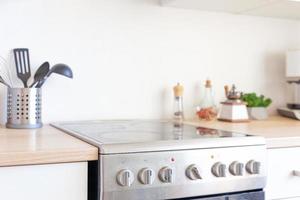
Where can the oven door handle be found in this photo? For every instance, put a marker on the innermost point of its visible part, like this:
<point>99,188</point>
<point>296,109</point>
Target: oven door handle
<point>296,173</point>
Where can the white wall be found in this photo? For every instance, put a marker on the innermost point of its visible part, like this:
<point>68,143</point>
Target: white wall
<point>127,54</point>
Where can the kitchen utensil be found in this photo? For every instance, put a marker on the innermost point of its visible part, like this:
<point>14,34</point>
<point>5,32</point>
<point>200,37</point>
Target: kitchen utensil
<point>40,73</point>
<point>6,75</point>
<point>292,73</point>
<point>24,108</point>
<point>3,81</point>
<point>22,64</point>
<point>61,69</point>
<point>233,109</point>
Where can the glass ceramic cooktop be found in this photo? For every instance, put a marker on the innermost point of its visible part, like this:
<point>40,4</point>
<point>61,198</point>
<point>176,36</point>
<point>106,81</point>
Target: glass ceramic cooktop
<point>132,131</point>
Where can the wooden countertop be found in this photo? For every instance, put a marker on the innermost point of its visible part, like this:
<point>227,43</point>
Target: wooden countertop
<point>280,132</point>
<point>50,145</point>
<point>42,146</point>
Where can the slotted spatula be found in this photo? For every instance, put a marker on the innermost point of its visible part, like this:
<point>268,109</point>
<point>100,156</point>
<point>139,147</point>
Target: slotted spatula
<point>22,64</point>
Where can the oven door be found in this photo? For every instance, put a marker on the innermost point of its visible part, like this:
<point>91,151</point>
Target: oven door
<point>250,195</point>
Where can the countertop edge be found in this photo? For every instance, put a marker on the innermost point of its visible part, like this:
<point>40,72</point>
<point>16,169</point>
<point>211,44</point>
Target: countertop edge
<point>46,145</point>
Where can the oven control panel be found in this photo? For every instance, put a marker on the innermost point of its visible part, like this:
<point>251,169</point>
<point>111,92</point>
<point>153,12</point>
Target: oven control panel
<point>146,176</point>
<point>176,174</point>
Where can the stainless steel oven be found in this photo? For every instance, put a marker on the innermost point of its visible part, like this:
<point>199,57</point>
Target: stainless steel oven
<point>151,160</point>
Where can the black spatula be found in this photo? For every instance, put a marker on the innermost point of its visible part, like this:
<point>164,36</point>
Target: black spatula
<point>22,64</point>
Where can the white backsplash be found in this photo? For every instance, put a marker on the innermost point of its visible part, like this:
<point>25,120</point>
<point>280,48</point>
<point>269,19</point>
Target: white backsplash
<point>127,54</point>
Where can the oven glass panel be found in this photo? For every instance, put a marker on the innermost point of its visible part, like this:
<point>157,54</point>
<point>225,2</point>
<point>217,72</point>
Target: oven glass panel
<point>254,195</point>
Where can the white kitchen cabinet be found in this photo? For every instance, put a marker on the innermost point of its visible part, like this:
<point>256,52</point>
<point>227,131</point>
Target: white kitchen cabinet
<point>234,6</point>
<point>282,183</point>
<point>44,182</point>
<point>268,8</point>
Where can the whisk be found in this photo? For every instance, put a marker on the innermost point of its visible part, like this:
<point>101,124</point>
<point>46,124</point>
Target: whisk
<point>5,75</point>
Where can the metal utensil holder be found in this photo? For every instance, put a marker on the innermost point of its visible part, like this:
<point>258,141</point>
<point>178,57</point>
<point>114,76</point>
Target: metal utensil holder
<point>24,108</point>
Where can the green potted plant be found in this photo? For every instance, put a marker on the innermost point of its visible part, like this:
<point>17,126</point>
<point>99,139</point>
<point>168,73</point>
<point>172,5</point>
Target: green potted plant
<point>256,105</point>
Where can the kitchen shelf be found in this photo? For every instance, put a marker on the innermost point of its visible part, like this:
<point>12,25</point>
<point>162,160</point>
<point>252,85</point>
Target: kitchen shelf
<point>289,9</point>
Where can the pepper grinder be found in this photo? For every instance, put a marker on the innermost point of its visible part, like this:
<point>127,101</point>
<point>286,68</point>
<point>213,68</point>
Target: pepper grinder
<point>178,116</point>
<point>178,103</point>
<point>233,109</point>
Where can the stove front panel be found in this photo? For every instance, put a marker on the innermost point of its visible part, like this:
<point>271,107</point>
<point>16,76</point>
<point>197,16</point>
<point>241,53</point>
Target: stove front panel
<point>181,174</point>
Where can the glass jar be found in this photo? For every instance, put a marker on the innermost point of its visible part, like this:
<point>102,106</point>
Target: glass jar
<point>207,110</point>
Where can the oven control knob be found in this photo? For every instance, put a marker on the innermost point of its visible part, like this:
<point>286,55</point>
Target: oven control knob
<point>146,176</point>
<point>219,170</point>
<point>166,174</point>
<point>125,178</point>
<point>193,173</point>
<point>236,168</point>
<point>253,167</point>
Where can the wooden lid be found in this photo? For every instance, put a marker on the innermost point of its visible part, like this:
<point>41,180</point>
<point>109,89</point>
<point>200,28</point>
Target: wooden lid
<point>208,83</point>
<point>226,88</point>
<point>178,90</point>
